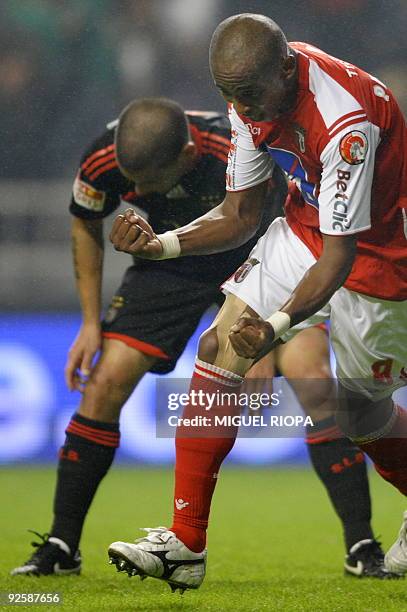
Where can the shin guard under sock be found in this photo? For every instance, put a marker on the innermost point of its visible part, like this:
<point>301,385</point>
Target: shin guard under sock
<point>84,459</point>
<point>198,459</point>
<point>341,467</point>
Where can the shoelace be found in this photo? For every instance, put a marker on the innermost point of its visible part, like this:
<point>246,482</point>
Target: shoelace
<point>38,545</point>
<point>153,532</point>
<point>374,554</point>
<point>43,536</point>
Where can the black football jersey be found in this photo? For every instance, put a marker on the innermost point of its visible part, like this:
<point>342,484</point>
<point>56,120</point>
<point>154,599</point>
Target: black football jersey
<point>99,189</point>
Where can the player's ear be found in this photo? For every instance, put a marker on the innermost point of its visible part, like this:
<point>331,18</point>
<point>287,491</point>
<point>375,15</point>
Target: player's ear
<point>289,66</point>
<point>189,152</point>
<point>189,149</point>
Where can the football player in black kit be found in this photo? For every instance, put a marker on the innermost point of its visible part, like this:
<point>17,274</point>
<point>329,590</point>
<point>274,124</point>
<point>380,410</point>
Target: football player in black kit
<point>172,167</point>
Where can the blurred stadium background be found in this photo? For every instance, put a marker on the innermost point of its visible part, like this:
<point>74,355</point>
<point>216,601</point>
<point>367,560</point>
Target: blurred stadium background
<point>67,67</point>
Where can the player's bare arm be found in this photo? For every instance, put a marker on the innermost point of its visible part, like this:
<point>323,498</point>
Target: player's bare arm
<point>225,227</point>
<point>253,337</point>
<point>87,252</point>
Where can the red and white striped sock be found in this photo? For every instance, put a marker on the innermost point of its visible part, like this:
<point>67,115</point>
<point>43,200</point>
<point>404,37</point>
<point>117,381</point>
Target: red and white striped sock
<point>198,459</point>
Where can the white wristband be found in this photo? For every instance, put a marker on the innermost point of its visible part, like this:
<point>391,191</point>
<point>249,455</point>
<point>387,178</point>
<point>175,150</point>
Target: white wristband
<point>280,321</point>
<point>170,244</point>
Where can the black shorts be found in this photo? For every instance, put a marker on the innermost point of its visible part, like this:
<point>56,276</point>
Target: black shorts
<point>157,310</point>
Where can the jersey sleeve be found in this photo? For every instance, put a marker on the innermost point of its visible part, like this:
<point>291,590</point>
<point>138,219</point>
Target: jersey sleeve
<point>248,165</point>
<point>346,183</point>
<point>95,191</point>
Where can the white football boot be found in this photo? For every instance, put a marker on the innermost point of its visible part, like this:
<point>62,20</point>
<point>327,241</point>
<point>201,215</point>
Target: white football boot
<point>395,560</point>
<point>160,555</point>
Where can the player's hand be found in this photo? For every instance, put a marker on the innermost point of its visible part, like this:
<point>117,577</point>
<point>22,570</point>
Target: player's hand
<point>132,234</point>
<point>80,357</point>
<point>251,337</point>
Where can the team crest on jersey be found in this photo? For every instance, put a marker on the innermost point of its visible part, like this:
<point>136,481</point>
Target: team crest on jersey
<point>244,269</point>
<point>353,148</point>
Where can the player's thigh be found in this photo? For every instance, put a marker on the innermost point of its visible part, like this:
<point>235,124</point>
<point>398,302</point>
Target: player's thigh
<point>369,338</point>
<point>117,372</point>
<point>273,270</point>
<point>306,355</point>
<point>305,362</point>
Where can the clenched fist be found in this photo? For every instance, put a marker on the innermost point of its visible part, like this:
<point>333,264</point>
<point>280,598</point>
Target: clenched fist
<point>251,338</point>
<point>132,234</point>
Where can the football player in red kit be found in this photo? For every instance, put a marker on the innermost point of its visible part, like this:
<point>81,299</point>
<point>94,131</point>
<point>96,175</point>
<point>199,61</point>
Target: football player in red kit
<point>341,253</point>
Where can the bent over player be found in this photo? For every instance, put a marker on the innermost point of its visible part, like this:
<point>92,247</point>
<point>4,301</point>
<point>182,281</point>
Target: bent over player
<point>172,165</point>
<point>341,253</point>
<point>175,166</point>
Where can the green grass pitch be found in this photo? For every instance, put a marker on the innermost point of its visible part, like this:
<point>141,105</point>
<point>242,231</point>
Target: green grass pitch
<point>274,543</point>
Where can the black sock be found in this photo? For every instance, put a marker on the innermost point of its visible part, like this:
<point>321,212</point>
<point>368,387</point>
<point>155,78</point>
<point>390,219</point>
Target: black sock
<point>84,459</point>
<point>342,469</point>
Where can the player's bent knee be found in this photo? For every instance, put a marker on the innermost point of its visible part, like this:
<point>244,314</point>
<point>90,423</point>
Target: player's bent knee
<point>216,348</point>
<point>208,347</point>
<point>319,385</point>
<point>109,382</point>
<point>304,370</point>
<point>105,393</point>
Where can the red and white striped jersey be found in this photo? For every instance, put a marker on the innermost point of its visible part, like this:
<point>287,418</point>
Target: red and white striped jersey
<point>344,150</point>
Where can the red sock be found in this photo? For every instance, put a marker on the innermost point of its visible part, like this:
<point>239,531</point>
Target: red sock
<point>389,453</point>
<point>198,459</point>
